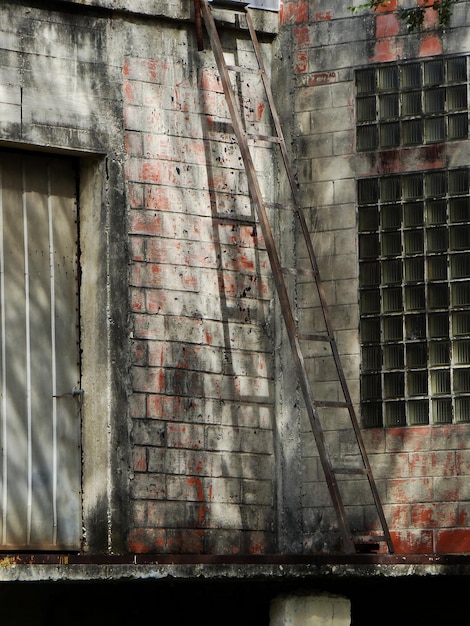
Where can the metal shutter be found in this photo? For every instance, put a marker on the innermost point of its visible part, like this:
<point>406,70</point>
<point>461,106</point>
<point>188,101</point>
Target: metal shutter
<point>39,354</point>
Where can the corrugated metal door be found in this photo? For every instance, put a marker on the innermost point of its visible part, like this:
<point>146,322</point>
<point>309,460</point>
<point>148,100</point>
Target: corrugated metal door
<point>39,354</point>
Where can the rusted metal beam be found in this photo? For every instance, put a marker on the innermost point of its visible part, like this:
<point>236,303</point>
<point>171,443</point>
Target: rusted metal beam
<point>229,559</point>
<point>198,21</point>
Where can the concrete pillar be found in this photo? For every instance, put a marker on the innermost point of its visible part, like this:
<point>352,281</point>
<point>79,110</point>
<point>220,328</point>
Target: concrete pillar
<point>316,609</point>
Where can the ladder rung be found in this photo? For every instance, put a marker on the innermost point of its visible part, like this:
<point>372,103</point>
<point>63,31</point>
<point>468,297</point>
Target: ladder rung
<point>298,272</point>
<point>311,337</point>
<point>243,137</point>
<point>244,70</point>
<point>366,539</point>
<point>232,5</point>
<point>332,403</point>
<point>361,471</point>
<point>271,139</point>
<point>233,219</point>
<point>369,544</point>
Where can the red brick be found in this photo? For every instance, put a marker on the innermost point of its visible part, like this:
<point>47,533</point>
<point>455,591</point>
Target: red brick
<point>157,197</point>
<point>137,248</point>
<point>413,541</point>
<point>149,70</point>
<point>450,437</point>
<point>302,36</point>
<point>462,462</point>
<point>143,540</point>
<point>374,440</point>
<point>148,380</point>
<point>158,353</point>
<point>410,490</point>
<point>139,353</point>
<point>387,26</point>
<point>135,195</point>
<point>145,222</point>
<point>165,407</point>
<point>397,515</point>
<point>294,12</point>
<point>148,326</point>
<point>453,541</point>
<point>185,436</point>
<point>139,456</point>
<point>137,300</point>
<point>433,515</point>
<point>132,92</point>
<point>430,45</point>
<point>411,438</point>
<point>147,275</point>
<point>432,464</point>
<point>147,486</point>
<point>134,143</point>
<point>156,299</point>
<point>387,50</point>
<point>301,62</point>
<point>210,81</point>
<point>185,541</point>
<point>137,405</point>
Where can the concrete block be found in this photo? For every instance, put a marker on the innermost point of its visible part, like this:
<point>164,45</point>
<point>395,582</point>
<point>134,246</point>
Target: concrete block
<point>310,610</point>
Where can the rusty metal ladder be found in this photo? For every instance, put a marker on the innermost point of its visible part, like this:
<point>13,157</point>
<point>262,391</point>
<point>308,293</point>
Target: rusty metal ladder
<point>205,11</point>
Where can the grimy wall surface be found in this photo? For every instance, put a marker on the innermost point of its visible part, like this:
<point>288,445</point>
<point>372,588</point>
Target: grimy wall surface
<point>177,346</point>
<point>194,439</point>
<point>202,406</point>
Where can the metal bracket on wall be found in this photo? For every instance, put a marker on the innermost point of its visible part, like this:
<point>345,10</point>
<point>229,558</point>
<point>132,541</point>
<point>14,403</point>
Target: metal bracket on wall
<point>75,393</point>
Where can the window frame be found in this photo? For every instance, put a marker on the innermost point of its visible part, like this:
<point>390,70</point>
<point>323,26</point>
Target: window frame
<point>412,103</point>
<point>413,227</point>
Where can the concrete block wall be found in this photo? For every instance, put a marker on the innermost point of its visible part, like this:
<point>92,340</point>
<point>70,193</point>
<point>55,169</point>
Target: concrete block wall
<point>420,471</point>
<point>202,402</point>
<point>178,408</point>
<point>199,432</point>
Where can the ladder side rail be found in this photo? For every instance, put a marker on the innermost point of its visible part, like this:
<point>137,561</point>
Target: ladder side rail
<point>297,209</point>
<point>301,217</point>
<point>279,282</point>
<point>316,273</point>
<point>198,22</point>
<point>277,275</point>
<point>273,109</point>
<point>330,476</point>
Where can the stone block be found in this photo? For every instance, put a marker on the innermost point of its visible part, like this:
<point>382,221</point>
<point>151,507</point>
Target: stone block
<point>318,609</point>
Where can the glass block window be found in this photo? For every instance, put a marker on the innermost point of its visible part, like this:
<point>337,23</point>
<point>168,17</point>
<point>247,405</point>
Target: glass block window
<point>409,104</point>
<point>414,279</point>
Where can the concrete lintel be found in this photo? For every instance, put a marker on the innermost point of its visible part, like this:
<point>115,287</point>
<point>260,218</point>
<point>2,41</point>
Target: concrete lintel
<point>265,21</point>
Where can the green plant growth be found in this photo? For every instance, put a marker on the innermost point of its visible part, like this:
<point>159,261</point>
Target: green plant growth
<point>414,16</point>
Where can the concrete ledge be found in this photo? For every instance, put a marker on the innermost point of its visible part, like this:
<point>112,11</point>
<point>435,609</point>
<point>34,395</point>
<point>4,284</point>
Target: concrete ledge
<point>69,568</point>
<point>266,22</point>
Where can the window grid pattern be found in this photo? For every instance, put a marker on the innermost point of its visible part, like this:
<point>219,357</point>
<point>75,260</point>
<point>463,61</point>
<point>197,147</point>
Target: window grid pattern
<point>412,104</point>
<point>414,279</point>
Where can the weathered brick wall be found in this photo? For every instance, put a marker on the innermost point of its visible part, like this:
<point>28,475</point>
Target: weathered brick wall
<point>202,374</point>
<point>421,472</point>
